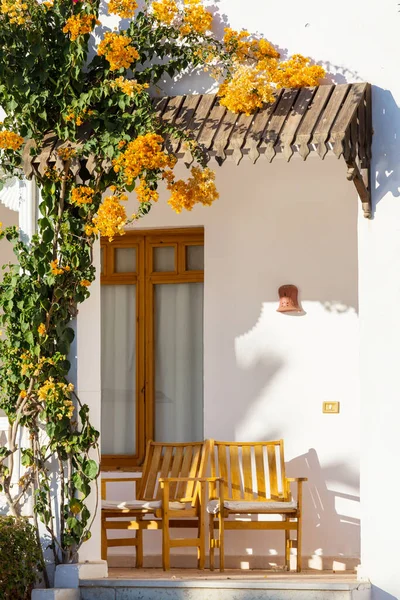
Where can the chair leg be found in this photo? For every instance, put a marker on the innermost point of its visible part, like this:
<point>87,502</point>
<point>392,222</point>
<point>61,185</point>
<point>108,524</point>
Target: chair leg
<point>139,547</point>
<point>287,547</point>
<point>221,542</point>
<point>166,548</point>
<point>103,539</point>
<point>298,569</point>
<point>201,556</point>
<point>211,547</point>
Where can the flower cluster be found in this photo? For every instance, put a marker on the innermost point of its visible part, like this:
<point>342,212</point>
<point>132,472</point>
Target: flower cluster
<point>80,25</point>
<point>145,153</point>
<point>118,51</point>
<point>123,8</point>
<point>145,193</point>
<point>41,329</point>
<point>165,11</point>
<point>78,116</point>
<point>31,366</point>
<point>10,140</point>
<point>247,90</point>
<point>200,188</point>
<point>56,269</point>
<point>297,72</point>
<point>111,217</point>
<point>15,10</point>
<point>196,18</point>
<point>56,397</point>
<point>257,72</point>
<point>82,194</point>
<point>130,87</point>
<point>66,153</point>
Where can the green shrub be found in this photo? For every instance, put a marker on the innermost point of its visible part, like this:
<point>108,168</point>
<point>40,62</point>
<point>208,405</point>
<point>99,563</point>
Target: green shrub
<point>20,558</point>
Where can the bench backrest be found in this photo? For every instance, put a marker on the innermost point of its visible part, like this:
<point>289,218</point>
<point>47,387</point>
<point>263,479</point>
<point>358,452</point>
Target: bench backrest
<point>173,460</point>
<point>252,471</point>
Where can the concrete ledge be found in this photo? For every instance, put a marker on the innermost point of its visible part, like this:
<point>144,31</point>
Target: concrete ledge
<point>225,584</point>
<point>56,594</point>
<point>69,576</point>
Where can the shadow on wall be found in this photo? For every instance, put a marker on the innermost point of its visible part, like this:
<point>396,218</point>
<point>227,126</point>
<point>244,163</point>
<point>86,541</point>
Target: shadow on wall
<point>321,516</point>
<point>379,594</point>
<point>385,146</point>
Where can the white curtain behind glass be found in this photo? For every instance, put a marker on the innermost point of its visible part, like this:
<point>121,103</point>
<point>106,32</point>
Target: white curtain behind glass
<point>179,362</point>
<point>118,369</point>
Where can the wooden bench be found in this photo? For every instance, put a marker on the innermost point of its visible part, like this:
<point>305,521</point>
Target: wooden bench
<point>172,491</point>
<point>253,482</point>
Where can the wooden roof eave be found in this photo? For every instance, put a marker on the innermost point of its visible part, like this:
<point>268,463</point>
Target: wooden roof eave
<point>321,120</point>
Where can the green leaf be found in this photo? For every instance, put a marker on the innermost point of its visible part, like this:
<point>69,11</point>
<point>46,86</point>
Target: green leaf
<point>91,469</point>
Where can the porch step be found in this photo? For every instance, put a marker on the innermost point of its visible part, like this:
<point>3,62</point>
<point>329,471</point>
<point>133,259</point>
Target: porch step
<point>295,589</point>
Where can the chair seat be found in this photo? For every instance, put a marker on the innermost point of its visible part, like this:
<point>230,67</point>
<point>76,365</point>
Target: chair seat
<point>241,506</point>
<point>140,505</point>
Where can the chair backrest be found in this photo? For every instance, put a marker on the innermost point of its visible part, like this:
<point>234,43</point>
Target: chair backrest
<point>173,460</point>
<point>252,471</point>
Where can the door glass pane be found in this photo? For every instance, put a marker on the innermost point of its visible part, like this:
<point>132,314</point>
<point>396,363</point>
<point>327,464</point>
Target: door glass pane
<point>194,258</point>
<point>179,362</point>
<point>125,260</point>
<point>164,259</point>
<point>118,369</point>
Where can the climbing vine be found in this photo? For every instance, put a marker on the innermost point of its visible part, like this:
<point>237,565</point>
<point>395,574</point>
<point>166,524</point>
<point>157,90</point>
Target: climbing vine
<point>92,95</point>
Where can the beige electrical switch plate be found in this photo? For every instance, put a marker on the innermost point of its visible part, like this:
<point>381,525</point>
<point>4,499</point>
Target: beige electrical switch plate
<point>330,407</point>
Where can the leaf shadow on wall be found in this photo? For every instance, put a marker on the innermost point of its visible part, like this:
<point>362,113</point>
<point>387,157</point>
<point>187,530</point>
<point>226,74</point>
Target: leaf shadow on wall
<point>385,173</point>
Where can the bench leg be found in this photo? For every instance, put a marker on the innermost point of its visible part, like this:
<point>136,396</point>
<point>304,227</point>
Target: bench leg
<point>298,569</point>
<point>139,547</point>
<point>166,548</point>
<point>201,551</point>
<point>211,547</point>
<point>287,547</point>
<point>103,539</point>
<point>221,541</point>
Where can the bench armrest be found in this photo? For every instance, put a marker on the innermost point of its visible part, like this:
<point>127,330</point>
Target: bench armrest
<point>199,479</point>
<point>296,479</point>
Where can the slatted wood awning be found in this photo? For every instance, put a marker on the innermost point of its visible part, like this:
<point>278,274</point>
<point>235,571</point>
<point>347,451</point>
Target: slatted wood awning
<point>323,120</point>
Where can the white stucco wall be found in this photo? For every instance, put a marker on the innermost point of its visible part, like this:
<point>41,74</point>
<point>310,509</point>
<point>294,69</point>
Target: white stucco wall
<point>266,375</point>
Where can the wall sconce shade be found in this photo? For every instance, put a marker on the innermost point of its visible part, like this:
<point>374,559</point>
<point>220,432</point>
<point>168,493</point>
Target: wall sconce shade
<point>288,301</point>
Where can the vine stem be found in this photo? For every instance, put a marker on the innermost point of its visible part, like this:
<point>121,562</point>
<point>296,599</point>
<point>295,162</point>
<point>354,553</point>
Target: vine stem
<point>63,193</point>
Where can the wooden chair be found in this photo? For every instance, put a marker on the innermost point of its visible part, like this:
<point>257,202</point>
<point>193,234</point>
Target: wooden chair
<point>253,482</point>
<point>172,491</point>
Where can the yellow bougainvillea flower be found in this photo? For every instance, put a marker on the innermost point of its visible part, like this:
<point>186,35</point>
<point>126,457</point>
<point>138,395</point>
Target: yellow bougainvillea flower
<point>200,188</point>
<point>41,329</point>
<point>10,140</point>
<point>143,153</point>
<point>16,11</point>
<point>82,194</point>
<point>80,25</point>
<point>165,11</point>
<point>247,90</point>
<point>123,8</point>
<point>118,51</point>
<point>56,270</point>
<point>297,72</point>
<point>130,87</point>
<point>85,283</point>
<point>111,217</point>
<point>145,193</point>
<point>196,18</point>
